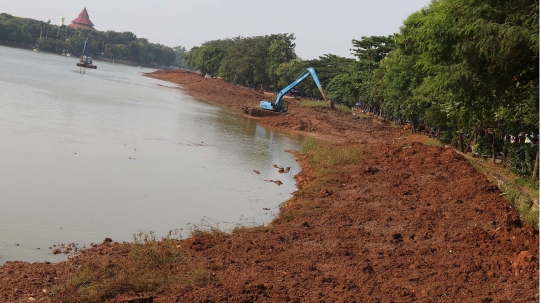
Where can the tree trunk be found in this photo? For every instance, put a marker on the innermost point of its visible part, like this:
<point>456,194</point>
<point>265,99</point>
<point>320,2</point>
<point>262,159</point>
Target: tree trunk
<point>470,140</point>
<point>505,154</point>
<point>460,138</point>
<point>493,148</point>
<point>535,170</point>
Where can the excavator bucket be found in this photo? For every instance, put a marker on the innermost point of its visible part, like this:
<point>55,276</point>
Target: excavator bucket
<point>259,112</point>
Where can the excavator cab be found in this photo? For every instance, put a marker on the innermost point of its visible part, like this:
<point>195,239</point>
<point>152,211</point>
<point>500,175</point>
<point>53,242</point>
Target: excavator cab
<point>281,107</point>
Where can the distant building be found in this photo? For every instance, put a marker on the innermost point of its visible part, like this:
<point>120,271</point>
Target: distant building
<point>62,20</point>
<point>83,21</point>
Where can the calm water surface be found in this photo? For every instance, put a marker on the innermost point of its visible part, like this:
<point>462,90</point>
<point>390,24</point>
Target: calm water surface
<point>89,154</point>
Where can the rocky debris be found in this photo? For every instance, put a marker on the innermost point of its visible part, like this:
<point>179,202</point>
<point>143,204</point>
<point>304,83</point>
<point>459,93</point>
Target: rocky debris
<point>275,181</point>
<point>282,170</point>
<point>65,249</point>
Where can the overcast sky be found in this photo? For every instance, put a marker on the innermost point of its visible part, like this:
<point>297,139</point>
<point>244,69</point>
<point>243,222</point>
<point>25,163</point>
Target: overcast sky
<point>320,27</point>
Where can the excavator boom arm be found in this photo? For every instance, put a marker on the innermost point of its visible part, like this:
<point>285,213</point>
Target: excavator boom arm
<point>302,77</point>
<point>277,105</point>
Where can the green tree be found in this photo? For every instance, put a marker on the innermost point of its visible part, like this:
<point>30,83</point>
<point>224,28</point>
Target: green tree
<point>180,60</point>
<point>482,61</point>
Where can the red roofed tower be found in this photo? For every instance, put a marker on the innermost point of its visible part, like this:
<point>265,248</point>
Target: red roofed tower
<point>83,21</point>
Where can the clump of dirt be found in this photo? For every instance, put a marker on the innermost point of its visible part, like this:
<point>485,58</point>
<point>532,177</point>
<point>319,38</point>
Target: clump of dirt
<point>404,222</point>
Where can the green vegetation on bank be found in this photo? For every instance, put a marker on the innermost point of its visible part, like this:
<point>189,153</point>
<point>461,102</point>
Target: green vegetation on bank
<point>110,45</point>
<point>313,103</point>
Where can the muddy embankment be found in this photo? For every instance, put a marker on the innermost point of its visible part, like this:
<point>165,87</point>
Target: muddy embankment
<point>374,220</point>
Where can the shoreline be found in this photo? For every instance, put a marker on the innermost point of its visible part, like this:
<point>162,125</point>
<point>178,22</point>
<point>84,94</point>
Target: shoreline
<point>114,61</point>
<point>371,220</point>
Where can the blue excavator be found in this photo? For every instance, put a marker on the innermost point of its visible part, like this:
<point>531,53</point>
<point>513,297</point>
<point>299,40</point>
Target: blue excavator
<point>281,105</point>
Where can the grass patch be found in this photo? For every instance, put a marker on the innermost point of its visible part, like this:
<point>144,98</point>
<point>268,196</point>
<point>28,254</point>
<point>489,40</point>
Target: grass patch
<point>148,265</point>
<point>209,229</point>
<point>313,103</point>
<point>326,156</point>
<point>528,210</point>
<point>528,183</point>
<point>307,144</point>
<point>432,142</point>
<point>206,229</point>
<point>330,163</point>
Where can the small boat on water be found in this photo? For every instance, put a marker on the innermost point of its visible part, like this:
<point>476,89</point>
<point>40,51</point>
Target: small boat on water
<point>86,60</point>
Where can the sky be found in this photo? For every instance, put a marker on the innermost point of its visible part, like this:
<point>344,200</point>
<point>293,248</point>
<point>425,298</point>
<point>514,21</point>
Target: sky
<point>320,26</point>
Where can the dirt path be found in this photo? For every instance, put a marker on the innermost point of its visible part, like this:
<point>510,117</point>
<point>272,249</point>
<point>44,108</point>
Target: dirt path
<point>406,222</point>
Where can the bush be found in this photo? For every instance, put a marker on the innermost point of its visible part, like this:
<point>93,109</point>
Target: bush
<point>446,138</point>
<point>483,145</point>
<point>522,157</point>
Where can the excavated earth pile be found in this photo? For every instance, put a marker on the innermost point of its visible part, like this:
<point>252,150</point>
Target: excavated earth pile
<point>406,223</point>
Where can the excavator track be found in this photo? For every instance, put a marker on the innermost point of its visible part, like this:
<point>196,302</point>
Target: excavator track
<point>259,112</point>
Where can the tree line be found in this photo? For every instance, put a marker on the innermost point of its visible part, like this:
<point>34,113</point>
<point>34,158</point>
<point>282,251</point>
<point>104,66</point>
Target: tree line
<point>109,44</point>
<point>470,68</point>
<point>464,70</point>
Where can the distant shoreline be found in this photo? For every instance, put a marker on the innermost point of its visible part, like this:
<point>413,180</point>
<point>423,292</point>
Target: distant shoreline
<point>98,58</point>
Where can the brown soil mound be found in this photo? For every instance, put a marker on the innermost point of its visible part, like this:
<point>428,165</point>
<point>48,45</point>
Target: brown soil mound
<point>211,90</point>
<point>409,223</point>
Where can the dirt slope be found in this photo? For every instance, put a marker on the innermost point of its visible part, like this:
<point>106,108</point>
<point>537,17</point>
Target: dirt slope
<point>407,223</point>
<point>411,224</point>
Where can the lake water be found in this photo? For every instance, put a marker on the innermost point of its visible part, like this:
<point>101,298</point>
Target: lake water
<point>90,154</point>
